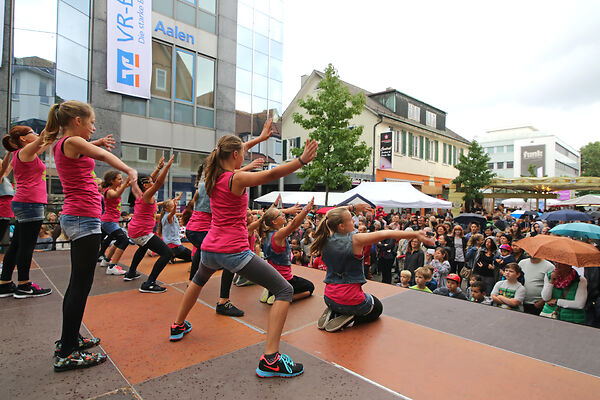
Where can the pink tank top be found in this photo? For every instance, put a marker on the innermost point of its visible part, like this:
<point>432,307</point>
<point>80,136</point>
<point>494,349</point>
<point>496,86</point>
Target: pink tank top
<point>30,178</point>
<point>112,208</point>
<point>228,232</point>
<point>142,223</point>
<point>78,180</point>
<point>5,210</point>
<point>199,221</point>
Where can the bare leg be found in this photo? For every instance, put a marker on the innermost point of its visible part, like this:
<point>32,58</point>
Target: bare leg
<point>276,321</point>
<point>302,295</point>
<point>116,256</point>
<point>189,299</point>
<point>111,250</point>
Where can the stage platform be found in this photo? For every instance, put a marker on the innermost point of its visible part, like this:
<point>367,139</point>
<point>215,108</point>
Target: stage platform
<point>423,347</point>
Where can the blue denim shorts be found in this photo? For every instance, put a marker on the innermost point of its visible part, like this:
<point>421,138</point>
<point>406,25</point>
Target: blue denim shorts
<point>359,309</point>
<point>28,212</point>
<point>77,227</point>
<point>232,262</point>
<point>109,227</point>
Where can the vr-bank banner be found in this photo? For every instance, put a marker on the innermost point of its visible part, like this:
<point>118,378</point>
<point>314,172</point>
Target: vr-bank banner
<point>129,47</point>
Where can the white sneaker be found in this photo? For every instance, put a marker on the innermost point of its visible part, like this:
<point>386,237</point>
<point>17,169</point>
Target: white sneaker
<point>104,262</point>
<point>116,270</point>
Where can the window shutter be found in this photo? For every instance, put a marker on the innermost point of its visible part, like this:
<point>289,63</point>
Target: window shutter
<point>427,152</point>
<point>403,143</point>
<point>436,155</point>
<point>410,144</point>
<point>421,140</point>
<point>298,144</point>
<point>284,152</point>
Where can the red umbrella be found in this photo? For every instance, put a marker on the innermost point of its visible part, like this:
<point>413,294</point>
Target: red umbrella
<point>323,210</point>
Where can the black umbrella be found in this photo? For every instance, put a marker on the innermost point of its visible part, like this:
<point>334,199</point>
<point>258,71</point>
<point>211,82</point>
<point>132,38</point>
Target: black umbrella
<point>595,214</point>
<point>465,219</point>
<point>566,215</point>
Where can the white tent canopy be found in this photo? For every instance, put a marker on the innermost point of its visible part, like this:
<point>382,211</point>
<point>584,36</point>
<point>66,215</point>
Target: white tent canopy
<point>396,195</point>
<point>385,194</point>
<point>587,200</point>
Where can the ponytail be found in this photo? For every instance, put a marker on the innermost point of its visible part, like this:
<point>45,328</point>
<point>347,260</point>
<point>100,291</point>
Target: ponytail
<point>11,141</point>
<point>266,221</point>
<point>109,177</point>
<point>213,168</point>
<point>199,174</point>
<point>327,226</point>
<point>60,115</point>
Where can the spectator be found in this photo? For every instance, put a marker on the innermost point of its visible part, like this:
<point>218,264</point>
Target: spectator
<point>319,264</point>
<point>509,293</point>
<point>441,266</point>
<point>473,229</point>
<point>405,278</point>
<point>473,245</point>
<point>44,240</point>
<point>422,275</point>
<point>458,243</point>
<point>565,294</point>
<point>386,253</point>
<point>593,301</point>
<point>534,269</point>
<point>501,262</point>
<point>451,288</point>
<point>298,257</point>
<point>518,253</point>
<point>414,257</point>
<point>478,294</point>
<point>484,263</point>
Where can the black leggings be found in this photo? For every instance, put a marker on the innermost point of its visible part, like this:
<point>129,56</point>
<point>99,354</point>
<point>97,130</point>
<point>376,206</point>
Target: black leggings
<point>373,315</point>
<point>84,253</point>
<point>258,271</point>
<point>182,252</point>
<point>20,250</point>
<point>159,247</point>
<point>120,238</point>
<point>4,224</point>
<point>196,238</point>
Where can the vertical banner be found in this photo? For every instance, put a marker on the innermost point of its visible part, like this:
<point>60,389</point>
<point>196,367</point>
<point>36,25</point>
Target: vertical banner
<point>2,5</point>
<point>385,150</point>
<point>129,47</point>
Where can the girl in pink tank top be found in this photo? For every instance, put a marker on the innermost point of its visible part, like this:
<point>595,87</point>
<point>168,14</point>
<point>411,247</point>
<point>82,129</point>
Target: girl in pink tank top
<point>226,245</point>
<point>113,187</point>
<point>141,229</point>
<point>28,208</point>
<point>74,155</point>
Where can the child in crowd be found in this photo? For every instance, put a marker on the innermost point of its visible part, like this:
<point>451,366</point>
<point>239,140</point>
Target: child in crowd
<point>298,256</point>
<point>169,229</point>
<point>441,266</point>
<point>422,275</point>
<point>505,258</point>
<point>405,277</point>
<point>474,278</point>
<point>478,294</point>
<point>319,264</point>
<point>509,293</point>
<point>431,283</point>
<point>44,241</point>
<point>366,253</point>
<point>452,288</point>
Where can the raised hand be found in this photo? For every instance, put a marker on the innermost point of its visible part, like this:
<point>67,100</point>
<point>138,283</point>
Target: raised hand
<point>310,151</point>
<point>267,130</point>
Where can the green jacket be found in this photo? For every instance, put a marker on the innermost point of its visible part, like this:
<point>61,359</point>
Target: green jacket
<point>566,314</point>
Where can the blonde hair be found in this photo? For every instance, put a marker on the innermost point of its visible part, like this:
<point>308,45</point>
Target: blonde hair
<point>425,271</point>
<point>213,168</point>
<point>474,239</point>
<point>406,272</point>
<point>327,226</point>
<point>60,115</point>
<point>266,222</point>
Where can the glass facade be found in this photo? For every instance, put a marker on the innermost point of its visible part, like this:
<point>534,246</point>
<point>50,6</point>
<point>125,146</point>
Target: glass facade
<point>259,88</point>
<point>199,13</point>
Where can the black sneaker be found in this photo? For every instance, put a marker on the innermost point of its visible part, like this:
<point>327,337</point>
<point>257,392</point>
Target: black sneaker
<point>130,277</point>
<point>283,366</point>
<point>177,331</point>
<point>78,359</point>
<point>152,288</point>
<point>229,309</point>
<point>83,344</point>
<point>30,290</point>
<point>7,289</point>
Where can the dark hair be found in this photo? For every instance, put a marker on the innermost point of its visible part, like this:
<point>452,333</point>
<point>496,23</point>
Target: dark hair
<point>514,266</point>
<point>109,177</point>
<point>444,252</point>
<point>494,245</point>
<point>478,284</point>
<point>11,141</point>
<point>142,180</point>
<point>199,174</point>
<point>477,278</point>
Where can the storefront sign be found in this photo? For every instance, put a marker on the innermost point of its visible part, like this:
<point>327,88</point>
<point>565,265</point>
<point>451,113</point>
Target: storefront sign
<point>129,47</point>
<point>533,159</point>
<point>385,150</point>
<point>174,32</point>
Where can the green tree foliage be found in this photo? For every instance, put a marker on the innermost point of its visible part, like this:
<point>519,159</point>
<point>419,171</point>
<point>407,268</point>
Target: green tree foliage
<point>474,174</point>
<point>327,119</point>
<point>590,163</point>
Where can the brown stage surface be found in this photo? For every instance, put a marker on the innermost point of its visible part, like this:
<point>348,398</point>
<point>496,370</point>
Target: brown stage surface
<point>423,347</point>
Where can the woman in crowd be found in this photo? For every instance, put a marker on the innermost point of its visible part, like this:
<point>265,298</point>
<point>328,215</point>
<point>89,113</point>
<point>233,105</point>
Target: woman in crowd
<point>484,263</point>
<point>458,243</point>
<point>414,258</point>
<point>565,294</point>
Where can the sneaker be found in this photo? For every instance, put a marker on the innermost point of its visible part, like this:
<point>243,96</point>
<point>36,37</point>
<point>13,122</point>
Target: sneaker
<point>271,300</point>
<point>78,359</point>
<point>177,331</point>
<point>83,344</point>
<point>241,281</point>
<point>324,319</point>
<point>339,322</point>
<point>105,262</point>
<point>283,367</point>
<point>130,277</point>
<point>264,296</point>
<point>229,309</point>
<point>7,289</point>
<point>115,270</point>
<point>152,288</point>
<point>30,290</point>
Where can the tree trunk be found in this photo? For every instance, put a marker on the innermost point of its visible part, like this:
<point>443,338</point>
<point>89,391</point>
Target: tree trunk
<point>326,194</point>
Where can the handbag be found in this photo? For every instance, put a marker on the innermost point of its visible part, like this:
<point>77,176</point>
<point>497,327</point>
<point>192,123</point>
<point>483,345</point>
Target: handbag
<point>465,272</point>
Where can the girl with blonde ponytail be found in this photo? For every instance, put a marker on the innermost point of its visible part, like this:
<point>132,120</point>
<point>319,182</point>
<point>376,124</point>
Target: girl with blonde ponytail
<point>74,155</point>
<point>226,245</point>
<point>341,250</point>
<point>278,253</point>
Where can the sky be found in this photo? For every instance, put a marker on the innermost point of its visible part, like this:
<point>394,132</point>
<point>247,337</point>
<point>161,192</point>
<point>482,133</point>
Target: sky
<point>488,65</point>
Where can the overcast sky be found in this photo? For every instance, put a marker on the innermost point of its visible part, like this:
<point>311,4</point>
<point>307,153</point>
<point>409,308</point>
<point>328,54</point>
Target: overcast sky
<point>487,64</point>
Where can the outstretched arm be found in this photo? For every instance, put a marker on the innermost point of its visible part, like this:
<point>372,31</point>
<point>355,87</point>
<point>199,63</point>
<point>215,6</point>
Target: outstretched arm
<point>6,166</point>
<point>287,230</point>
<point>361,240</point>
<point>160,180</point>
<point>264,135</point>
<point>173,212</point>
<point>112,194</point>
<point>159,166</point>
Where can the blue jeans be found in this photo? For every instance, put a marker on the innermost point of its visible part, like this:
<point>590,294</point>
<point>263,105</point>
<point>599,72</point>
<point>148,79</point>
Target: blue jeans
<point>77,227</point>
<point>28,212</point>
<point>359,309</point>
<point>231,262</point>
<point>109,227</point>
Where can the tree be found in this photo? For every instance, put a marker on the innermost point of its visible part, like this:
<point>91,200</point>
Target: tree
<point>328,121</point>
<point>590,163</point>
<point>474,173</point>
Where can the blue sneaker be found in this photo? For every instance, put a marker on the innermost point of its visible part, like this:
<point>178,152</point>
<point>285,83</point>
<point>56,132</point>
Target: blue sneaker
<point>283,366</point>
<point>177,331</point>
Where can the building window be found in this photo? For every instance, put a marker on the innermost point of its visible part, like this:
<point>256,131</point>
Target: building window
<point>414,112</point>
<point>509,164</point>
<point>184,76</point>
<point>396,142</point>
<point>160,80</point>
<point>161,60</point>
<point>510,148</point>
<point>277,147</point>
<point>499,149</point>
<point>489,150</point>
<point>288,145</point>
<point>430,119</point>
<point>415,146</point>
<point>500,165</point>
<point>491,165</point>
<point>143,153</point>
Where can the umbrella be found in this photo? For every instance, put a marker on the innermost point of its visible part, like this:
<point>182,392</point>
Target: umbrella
<point>577,229</point>
<point>566,215</point>
<point>523,213</point>
<point>467,218</point>
<point>323,210</point>
<point>594,214</point>
<point>561,249</point>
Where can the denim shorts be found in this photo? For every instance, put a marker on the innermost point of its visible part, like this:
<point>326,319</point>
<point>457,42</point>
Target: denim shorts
<point>109,227</point>
<point>359,309</point>
<point>77,227</point>
<point>28,212</point>
<point>232,262</point>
